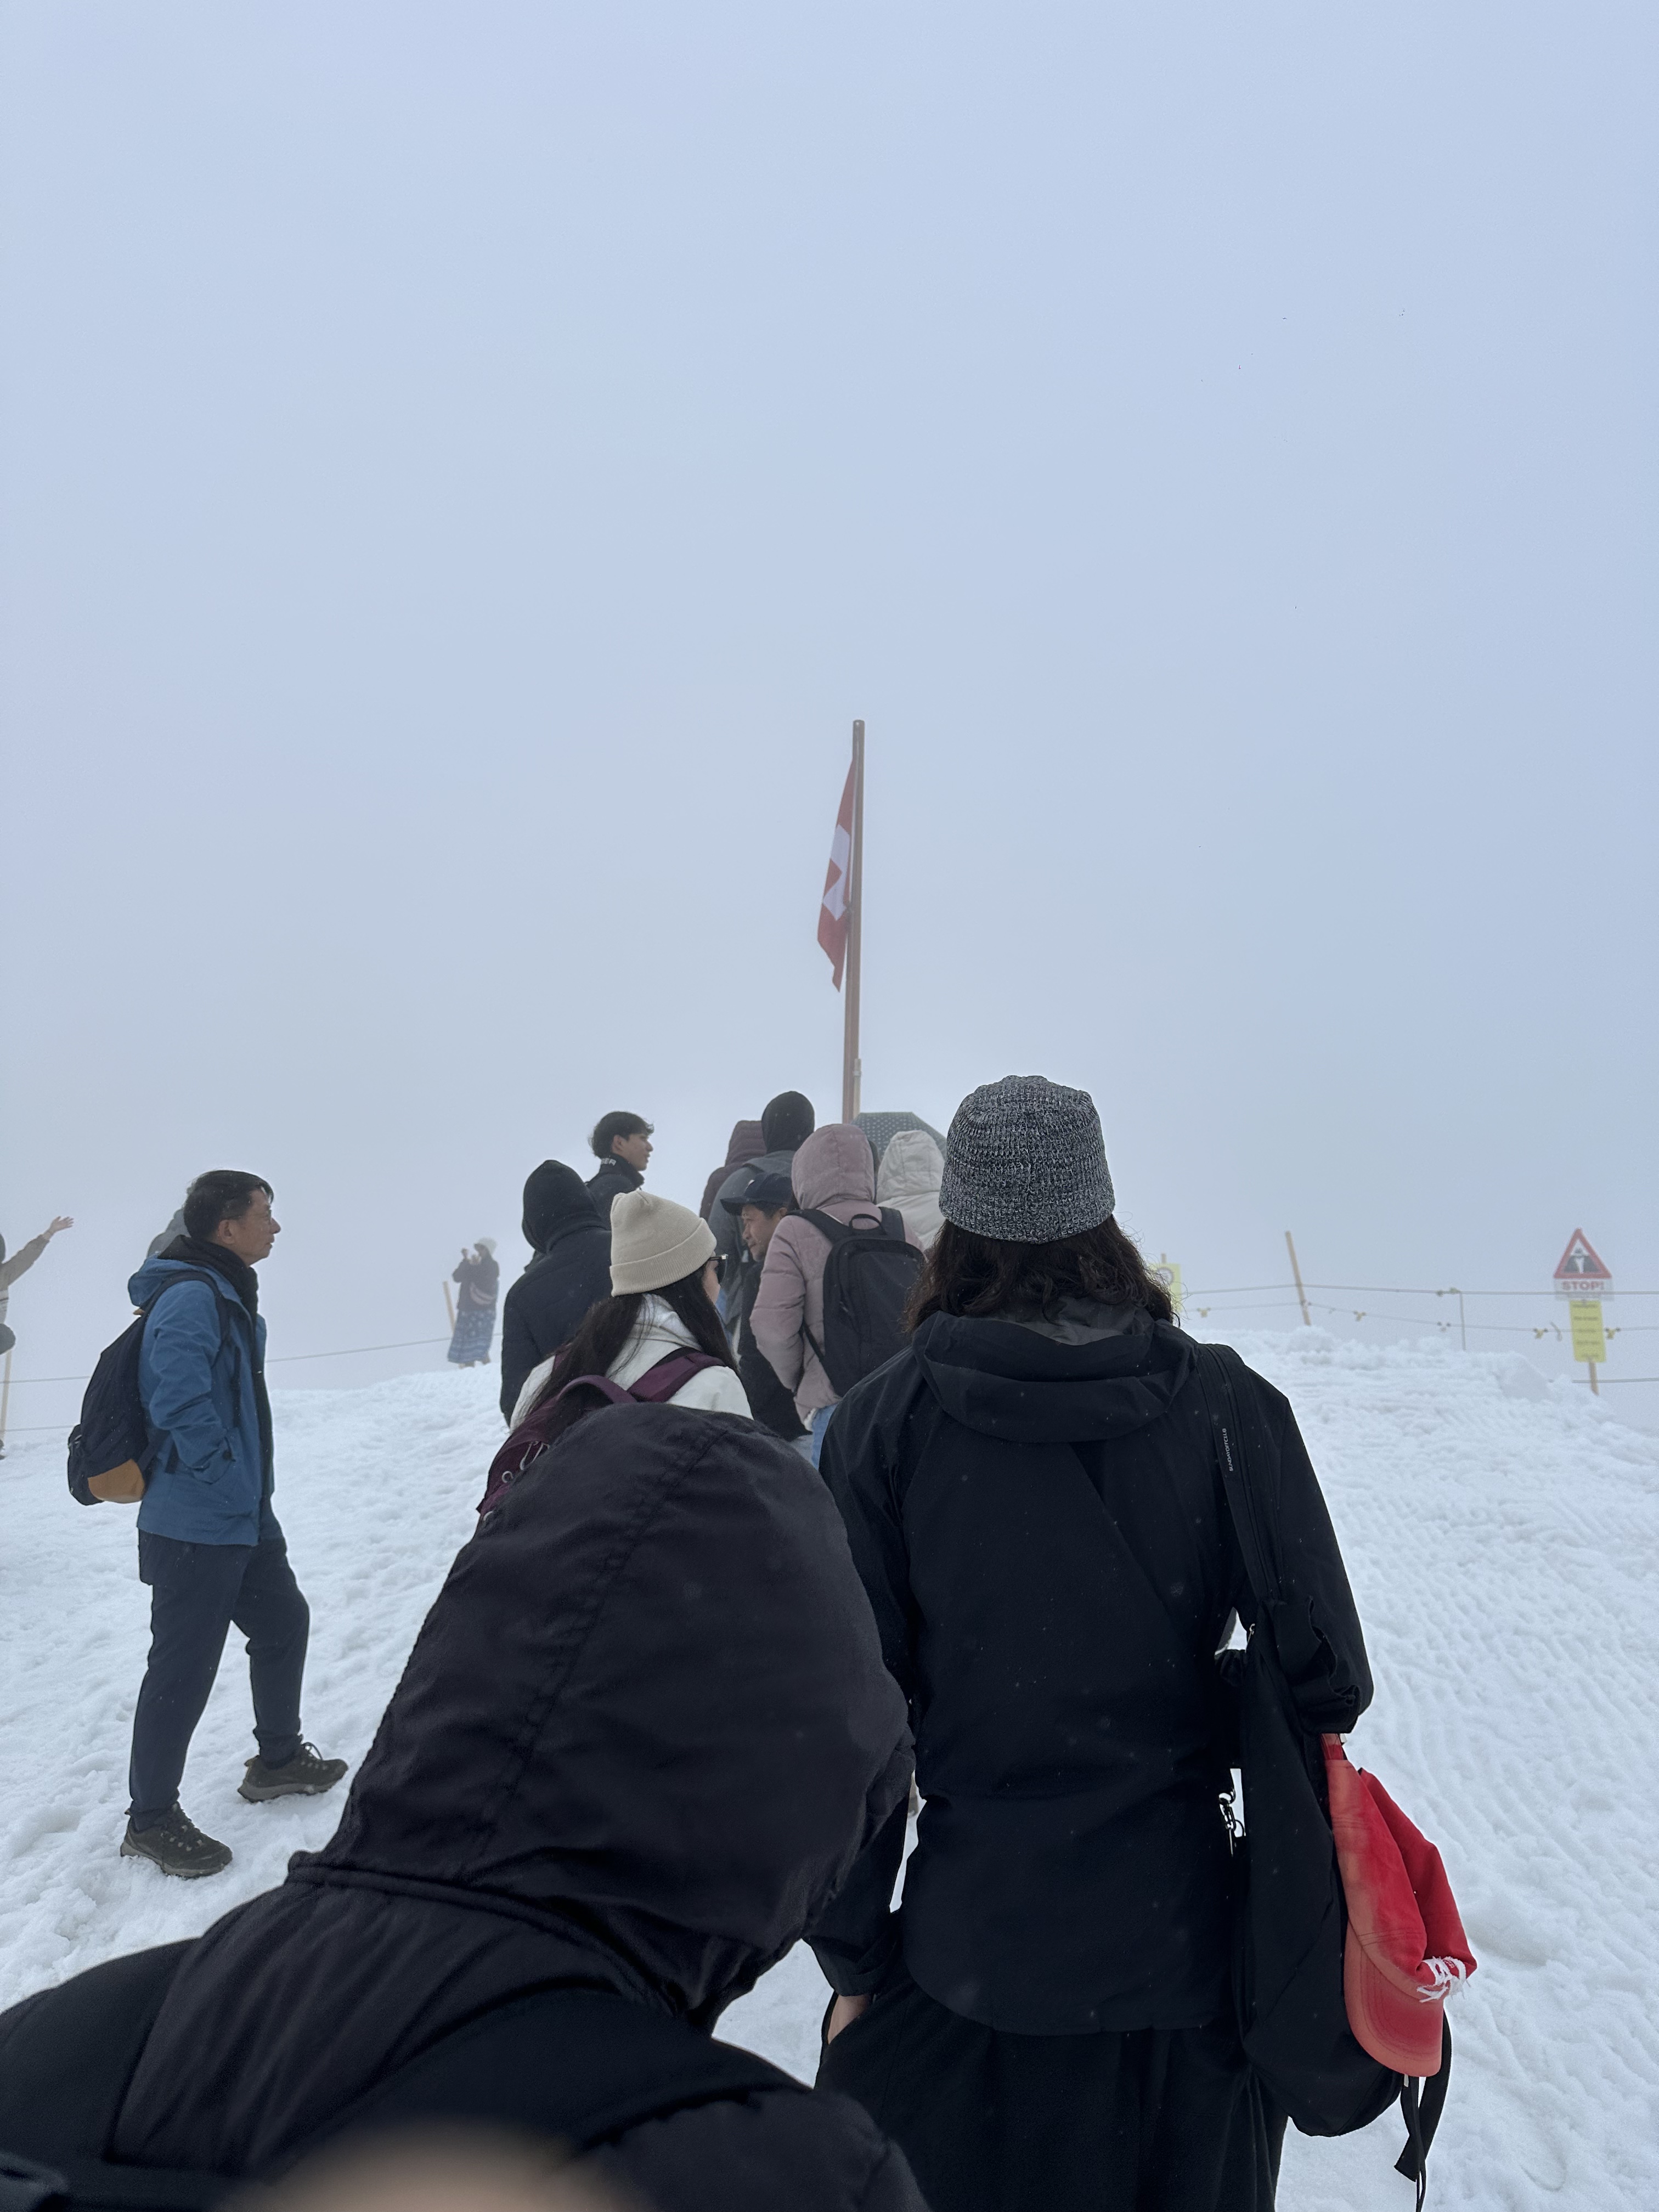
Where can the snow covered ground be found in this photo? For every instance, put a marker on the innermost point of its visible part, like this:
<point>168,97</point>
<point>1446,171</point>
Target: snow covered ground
<point>1502,1533</point>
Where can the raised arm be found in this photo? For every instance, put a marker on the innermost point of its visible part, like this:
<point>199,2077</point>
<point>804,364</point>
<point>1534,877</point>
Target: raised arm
<point>26,1254</point>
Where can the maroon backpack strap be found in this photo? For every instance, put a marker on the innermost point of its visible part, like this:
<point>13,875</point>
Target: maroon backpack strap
<point>670,1374</point>
<point>603,1383</point>
<point>529,1439</point>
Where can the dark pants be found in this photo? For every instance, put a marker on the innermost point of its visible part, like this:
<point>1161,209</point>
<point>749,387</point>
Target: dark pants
<point>1158,2120</point>
<point>197,1590</point>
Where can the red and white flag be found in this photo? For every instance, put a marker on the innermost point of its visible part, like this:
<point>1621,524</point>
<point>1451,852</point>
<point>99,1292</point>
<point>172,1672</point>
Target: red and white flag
<point>832,914</point>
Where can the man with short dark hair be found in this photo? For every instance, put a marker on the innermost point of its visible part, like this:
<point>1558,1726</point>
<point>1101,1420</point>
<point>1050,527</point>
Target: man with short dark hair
<point>209,1544</point>
<point>621,1145</point>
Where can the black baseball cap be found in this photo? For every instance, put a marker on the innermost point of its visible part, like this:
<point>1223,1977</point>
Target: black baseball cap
<point>768,1192</point>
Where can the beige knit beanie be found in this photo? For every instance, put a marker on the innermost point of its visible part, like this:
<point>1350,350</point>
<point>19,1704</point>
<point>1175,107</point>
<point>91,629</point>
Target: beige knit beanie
<point>655,1243</point>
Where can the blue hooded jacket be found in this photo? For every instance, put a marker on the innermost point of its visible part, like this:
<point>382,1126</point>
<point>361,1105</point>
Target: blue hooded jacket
<point>196,1374</point>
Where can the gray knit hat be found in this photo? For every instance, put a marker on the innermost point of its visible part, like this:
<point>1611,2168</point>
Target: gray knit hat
<point>1026,1162</point>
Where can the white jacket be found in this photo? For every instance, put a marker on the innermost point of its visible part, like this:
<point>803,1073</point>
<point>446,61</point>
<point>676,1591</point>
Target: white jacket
<point>909,1178</point>
<point>657,1332</point>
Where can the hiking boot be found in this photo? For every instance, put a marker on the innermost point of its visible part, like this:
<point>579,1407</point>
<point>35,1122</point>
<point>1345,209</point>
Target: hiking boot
<point>305,1774</point>
<point>177,1846</point>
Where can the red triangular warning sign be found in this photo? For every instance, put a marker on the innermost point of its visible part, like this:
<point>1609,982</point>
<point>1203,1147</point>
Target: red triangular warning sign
<point>1581,1261</point>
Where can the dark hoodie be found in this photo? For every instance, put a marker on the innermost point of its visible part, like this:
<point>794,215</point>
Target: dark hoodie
<point>642,1736</point>
<point>748,1139</point>
<point>569,1269</point>
<point>1042,1531</point>
<point>786,1122</point>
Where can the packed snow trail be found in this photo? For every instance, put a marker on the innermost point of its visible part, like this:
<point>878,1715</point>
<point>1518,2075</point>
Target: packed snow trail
<point>1502,1533</point>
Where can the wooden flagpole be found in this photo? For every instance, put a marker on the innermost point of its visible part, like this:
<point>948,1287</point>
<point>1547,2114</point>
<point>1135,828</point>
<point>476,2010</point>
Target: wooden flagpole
<point>851,1072</point>
<point>1296,1269</point>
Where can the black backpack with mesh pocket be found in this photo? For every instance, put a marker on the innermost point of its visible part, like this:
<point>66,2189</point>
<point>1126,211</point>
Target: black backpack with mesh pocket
<point>867,1278</point>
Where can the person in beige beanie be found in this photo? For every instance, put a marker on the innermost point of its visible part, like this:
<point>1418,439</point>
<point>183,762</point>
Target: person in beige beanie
<point>660,1315</point>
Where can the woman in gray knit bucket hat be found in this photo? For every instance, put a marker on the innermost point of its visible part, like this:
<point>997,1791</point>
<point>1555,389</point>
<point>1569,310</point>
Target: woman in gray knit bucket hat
<point>1031,1497</point>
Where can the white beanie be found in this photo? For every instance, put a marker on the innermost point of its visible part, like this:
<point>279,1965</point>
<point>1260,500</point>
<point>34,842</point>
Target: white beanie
<point>655,1243</point>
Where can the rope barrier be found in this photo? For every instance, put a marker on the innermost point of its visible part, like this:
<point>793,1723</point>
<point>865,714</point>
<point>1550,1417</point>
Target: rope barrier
<point>279,1359</point>
<point>1396,1290</point>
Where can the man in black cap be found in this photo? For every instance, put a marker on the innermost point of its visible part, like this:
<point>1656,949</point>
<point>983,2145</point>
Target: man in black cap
<point>757,1210</point>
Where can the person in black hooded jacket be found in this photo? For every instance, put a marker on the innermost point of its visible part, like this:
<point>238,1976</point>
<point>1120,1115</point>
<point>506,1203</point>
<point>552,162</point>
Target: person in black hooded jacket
<point>569,1268</point>
<point>1033,1501</point>
<point>643,1735</point>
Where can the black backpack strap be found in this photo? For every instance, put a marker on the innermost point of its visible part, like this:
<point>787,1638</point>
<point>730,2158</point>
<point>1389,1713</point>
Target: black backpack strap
<point>184,1275</point>
<point>838,1231</point>
<point>1421,2110</point>
<point>198,1275</point>
<point>1215,1382</point>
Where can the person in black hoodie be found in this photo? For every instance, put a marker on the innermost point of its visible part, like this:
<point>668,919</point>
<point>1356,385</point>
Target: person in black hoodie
<point>787,1122</point>
<point>1032,1497</point>
<point>569,1268</point>
<point>643,1735</point>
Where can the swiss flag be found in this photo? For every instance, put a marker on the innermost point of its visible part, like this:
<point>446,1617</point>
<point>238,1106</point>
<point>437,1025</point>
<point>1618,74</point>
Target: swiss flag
<point>832,914</point>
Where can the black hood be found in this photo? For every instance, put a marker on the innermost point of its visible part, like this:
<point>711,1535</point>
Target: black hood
<point>556,1202</point>
<point>1006,1381</point>
<point>649,1701</point>
<point>787,1122</point>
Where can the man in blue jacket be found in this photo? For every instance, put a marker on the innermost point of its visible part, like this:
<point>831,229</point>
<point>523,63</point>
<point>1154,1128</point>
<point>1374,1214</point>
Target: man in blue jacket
<point>209,1545</point>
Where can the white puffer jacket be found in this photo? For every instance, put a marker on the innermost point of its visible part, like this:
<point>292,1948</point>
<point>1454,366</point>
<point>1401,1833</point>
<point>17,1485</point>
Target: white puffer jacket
<point>909,1178</point>
<point>657,1332</point>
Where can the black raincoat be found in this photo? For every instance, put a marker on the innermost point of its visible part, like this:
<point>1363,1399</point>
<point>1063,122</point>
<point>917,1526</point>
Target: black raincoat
<point>643,1735</point>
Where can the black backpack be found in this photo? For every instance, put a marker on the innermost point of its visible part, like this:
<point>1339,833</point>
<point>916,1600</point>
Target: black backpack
<point>112,1432</point>
<point>868,1276</point>
<point>1291,1922</point>
<point>581,2065</point>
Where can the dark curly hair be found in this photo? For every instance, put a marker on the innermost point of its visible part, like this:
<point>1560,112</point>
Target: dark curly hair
<point>977,1276</point>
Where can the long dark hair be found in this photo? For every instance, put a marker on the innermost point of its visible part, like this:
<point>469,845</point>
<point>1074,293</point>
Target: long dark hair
<point>977,1276</point>
<point>604,1333</point>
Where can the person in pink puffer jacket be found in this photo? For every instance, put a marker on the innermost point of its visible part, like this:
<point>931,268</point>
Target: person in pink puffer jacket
<point>834,1172</point>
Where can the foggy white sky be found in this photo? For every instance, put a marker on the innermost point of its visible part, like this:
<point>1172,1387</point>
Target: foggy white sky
<point>464,466</point>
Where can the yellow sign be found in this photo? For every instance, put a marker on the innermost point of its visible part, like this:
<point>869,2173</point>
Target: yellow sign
<point>1589,1339</point>
<point>1168,1271</point>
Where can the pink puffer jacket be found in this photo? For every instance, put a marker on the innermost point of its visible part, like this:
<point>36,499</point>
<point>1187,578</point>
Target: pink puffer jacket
<point>834,1173</point>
